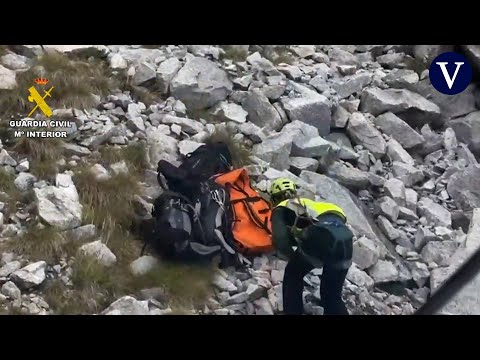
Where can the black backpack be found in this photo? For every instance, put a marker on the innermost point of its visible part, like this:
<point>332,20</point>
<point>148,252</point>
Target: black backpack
<point>198,166</point>
<point>193,217</point>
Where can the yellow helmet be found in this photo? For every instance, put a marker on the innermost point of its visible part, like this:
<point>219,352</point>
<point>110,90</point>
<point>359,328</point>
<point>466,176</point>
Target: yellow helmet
<point>282,185</point>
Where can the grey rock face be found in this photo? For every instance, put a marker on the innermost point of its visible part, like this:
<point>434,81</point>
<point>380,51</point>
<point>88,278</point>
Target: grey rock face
<point>363,133</point>
<point>463,187</point>
<point>408,105</point>
<point>398,129</point>
<point>200,84</point>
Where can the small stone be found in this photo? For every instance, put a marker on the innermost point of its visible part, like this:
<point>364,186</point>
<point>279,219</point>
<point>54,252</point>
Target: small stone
<point>30,276</point>
<point>143,265</point>
<point>389,208</point>
<point>221,312</point>
<point>11,290</point>
<point>387,228</point>
<point>407,214</point>
<point>383,272</point>
<point>365,253</point>
<point>223,284</point>
<point>100,251</point>
<point>9,268</point>
<point>238,298</point>
<point>439,252</point>
<point>255,292</point>
<point>395,188</point>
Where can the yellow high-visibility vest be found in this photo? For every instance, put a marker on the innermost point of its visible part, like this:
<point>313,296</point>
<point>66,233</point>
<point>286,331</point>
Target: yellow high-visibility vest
<point>312,208</point>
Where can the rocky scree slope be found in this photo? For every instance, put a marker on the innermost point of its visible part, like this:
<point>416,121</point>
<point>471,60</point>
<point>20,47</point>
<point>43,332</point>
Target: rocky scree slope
<point>357,125</point>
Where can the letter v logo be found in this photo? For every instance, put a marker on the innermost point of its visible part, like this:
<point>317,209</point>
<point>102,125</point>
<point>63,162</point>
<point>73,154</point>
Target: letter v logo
<point>446,75</point>
<point>450,73</point>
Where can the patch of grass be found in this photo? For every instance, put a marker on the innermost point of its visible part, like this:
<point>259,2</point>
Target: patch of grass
<point>74,83</point>
<point>44,244</point>
<point>43,153</point>
<point>241,155</point>
<point>7,186</point>
<point>234,53</point>
<point>12,310</point>
<point>3,50</point>
<point>109,201</point>
<point>95,287</point>
<point>279,54</point>
<point>133,154</point>
<point>417,65</point>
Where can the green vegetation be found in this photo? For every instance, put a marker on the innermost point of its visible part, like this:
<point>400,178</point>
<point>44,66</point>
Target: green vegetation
<point>74,83</point>
<point>234,53</point>
<point>95,286</point>
<point>42,153</point>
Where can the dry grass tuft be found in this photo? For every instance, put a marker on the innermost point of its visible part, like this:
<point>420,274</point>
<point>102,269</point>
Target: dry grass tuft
<point>109,201</point>
<point>234,53</point>
<point>241,155</point>
<point>42,153</point>
<point>9,194</point>
<point>44,244</point>
<point>95,287</point>
<point>74,83</point>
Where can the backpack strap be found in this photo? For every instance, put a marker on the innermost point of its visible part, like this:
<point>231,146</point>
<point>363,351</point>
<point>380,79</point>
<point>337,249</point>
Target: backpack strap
<point>249,199</point>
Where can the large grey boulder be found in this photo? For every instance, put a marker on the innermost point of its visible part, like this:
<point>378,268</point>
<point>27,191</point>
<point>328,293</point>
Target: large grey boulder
<point>401,79</point>
<point>410,106</point>
<point>314,147</point>
<point>188,125</point>
<point>329,190</point>
<point>100,252</point>
<point>407,173</point>
<point>365,253</point>
<point>352,84</point>
<point>398,153</point>
<point>7,79</point>
<point>398,129</point>
<point>395,188</point>
<point>342,57</point>
<point>275,149</point>
<point>364,133</point>
<point>350,177</point>
<point>463,187</point>
<point>230,112</point>
<point>6,159</point>
<point>30,276</point>
<point>144,74</point>
<point>15,62</point>
<point>439,252</point>
<point>467,130</point>
<point>24,181</point>
<point>260,111</point>
<point>200,84</point>
<point>166,71</point>
<point>59,205</point>
<point>434,213</point>
<point>127,305</point>
<point>384,272</point>
<point>359,277</point>
<point>312,108</point>
<point>451,106</point>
